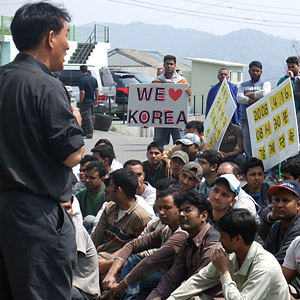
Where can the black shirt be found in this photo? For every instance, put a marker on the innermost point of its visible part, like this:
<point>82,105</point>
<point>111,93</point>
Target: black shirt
<point>153,176</point>
<point>38,130</point>
<point>88,84</point>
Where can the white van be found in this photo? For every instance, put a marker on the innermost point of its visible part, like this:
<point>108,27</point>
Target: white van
<point>70,75</point>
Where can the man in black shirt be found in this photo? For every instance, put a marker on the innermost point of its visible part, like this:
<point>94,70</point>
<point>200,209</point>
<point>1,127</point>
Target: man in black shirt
<point>88,94</point>
<point>41,141</point>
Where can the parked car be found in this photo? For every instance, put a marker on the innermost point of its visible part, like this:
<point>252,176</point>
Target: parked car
<point>141,77</point>
<point>70,76</point>
<point>123,81</point>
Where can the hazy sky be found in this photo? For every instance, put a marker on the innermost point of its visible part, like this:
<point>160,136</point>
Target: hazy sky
<point>277,17</point>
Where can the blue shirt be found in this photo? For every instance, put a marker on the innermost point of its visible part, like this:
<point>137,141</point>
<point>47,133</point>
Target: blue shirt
<point>213,93</point>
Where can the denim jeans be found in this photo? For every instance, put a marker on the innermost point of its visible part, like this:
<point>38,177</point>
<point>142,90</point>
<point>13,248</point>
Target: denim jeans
<point>162,135</point>
<point>246,138</point>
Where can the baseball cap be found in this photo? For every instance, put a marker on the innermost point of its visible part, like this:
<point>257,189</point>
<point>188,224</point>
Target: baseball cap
<point>182,155</point>
<point>194,169</point>
<point>290,185</point>
<point>232,181</point>
<point>189,139</point>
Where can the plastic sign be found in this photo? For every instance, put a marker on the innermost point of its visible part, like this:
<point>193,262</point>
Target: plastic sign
<point>273,126</point>
<point>157,105</point>
<point>219,116</point>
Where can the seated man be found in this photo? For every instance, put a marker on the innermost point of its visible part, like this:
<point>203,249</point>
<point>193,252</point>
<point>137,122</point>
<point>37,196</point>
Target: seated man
<point>194,216</point>
<point>223,195</point>
<point>105,155</point>
<point>243,200</point>
<point>253,173</point>
<point>232,148</point>
<point>123,218</point>
<point>154,167</point>
<point>291,264</point>
<point>209,160</point>
<point>249,272</point>
<point>178,160</point>
<point>115,164</point>
<point>190,143</point>
<point>168,239</point>
<point>85,275</point>
<point>286,207</point>
<point>290,170</point>
<point>83,163</point>
<point>190,176</point>
<point>92,197</point>
<point>144,189</point>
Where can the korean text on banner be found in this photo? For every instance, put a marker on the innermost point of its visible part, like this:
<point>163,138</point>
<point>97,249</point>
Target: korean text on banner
<point>273,126</point>
<point>219,116</point>
<point>157,105</point>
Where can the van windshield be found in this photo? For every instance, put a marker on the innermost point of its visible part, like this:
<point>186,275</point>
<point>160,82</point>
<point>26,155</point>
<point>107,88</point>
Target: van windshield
<point>106,77</point>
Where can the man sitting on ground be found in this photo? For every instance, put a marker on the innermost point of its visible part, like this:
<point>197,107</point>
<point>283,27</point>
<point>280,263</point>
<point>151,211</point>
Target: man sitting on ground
<point>223,195</point>
<point>154,167</point>
<point>86,274</point>
<point>249,272</point>
<point>122,220</point>
<point>253,173</point>
<point>105,155</point>
<point>190,143</point>
<point>178,160</point>
<point>209,160</point>
<point>168,239</point>
<point>92,197</point>
<point>190,176</point>
<point>194,216</point>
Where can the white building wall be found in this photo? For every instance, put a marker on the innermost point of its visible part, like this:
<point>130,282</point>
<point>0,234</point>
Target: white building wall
<point>99,55</point>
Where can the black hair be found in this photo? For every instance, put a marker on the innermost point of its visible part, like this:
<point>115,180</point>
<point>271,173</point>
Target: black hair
<point>292,166</point>
<point>167,182</point>
<point>104,141</point>
<point>212,156</point>
<point>132,162</point>
<point>252,163</point>
<point>238,221</point>
<point>292,60</point>
<point>33,21</point>
<point>88,158</point>
<point>223,69</point>
<point>170,57</point>
<point>83,68</point>
<point>198,200</point>
<point>159,146</point>
<point>105,151</point>
<point>96,166</point>
<point>198,125</point>
<point>126,179</point>
<point>255,63</point>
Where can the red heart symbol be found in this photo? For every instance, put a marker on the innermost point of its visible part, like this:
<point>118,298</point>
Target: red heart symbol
<point>175,95</point>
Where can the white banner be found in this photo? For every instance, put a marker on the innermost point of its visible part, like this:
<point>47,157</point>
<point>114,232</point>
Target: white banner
<point>219,116</point>
<point>157,105</point>
<point>273,126</point>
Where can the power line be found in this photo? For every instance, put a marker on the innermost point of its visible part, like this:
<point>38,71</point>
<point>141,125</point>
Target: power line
<point>209,15</point>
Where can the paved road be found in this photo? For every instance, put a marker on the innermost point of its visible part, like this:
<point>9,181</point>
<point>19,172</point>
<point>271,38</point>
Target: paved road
<point>125,146</point>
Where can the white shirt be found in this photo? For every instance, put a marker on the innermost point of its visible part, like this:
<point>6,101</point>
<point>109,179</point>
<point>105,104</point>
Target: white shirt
<point>292,256</point>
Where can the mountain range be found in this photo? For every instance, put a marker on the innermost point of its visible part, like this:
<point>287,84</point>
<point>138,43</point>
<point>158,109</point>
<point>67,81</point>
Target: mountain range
<point>242,46</point>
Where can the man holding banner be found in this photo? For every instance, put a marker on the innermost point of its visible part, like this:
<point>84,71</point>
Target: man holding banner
<point>162,135</point>
<point>248,93</point>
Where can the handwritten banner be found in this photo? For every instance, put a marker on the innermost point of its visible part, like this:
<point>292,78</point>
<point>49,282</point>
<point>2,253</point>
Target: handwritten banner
<point>219,116</point>
<point>157,105</point>
<point>273,126</point>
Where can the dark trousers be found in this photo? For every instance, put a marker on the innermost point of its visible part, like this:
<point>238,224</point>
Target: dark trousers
<point>87,121</point>
<point>37,247</point>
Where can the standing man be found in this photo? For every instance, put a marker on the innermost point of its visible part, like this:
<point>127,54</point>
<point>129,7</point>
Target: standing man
<point>161,134</point>
<point>43,143</point>
<point>293,73</point>
<point>248,93</point>
<point>223,73</point>
<point>88,87</point>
